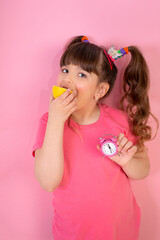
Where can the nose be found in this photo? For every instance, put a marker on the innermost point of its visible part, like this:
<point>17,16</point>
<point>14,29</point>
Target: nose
<point>67,82</point>
<point>68,77</point>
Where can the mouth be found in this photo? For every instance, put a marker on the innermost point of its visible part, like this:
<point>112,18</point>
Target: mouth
<point>66,87</point>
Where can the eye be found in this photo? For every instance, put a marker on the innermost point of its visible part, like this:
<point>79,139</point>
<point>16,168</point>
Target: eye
<point>82,75</point>
<point>64,70</point>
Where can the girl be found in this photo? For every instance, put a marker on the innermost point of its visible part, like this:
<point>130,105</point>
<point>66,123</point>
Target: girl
<point>92,195</point>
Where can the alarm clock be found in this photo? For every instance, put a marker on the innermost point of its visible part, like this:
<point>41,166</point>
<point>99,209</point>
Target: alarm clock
<point>108,146</point>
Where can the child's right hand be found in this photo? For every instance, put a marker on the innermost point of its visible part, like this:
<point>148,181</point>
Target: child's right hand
<point>63,106</point>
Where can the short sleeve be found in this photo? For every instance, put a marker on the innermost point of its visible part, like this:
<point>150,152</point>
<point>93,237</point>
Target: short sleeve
<point>40,133</point>
<point>121,120</point>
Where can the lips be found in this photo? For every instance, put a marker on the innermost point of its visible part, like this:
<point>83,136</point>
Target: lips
<point>64,86</point>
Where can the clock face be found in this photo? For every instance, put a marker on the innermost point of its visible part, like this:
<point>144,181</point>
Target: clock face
<point>109,148</point>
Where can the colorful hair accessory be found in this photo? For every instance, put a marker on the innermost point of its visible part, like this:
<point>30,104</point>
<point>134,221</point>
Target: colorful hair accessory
<point>84,39</point>
<point>114,54</point>
<point>109,59</point>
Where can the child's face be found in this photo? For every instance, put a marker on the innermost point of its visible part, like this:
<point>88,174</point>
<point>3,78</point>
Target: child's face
<point>75,78</point>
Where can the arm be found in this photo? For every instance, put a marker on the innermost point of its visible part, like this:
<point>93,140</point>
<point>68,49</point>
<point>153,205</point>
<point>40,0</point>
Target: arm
<point>49,165</point>
<point>138,167</point>
<point>49,161</point>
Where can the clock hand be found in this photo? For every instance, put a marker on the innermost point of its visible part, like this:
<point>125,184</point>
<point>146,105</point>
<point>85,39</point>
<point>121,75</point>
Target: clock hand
<point>110,148</point>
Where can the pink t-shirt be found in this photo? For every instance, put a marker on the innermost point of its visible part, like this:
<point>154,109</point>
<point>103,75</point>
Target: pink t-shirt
<point>94,200</point>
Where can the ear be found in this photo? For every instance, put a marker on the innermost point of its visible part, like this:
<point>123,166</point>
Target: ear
<point>102,89</point>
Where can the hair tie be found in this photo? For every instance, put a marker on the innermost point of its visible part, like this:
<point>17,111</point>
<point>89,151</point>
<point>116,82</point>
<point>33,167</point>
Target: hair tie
<point>84,39</point>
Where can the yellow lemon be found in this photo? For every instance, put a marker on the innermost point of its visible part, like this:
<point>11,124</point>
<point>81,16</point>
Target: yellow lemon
<point>57,91</point>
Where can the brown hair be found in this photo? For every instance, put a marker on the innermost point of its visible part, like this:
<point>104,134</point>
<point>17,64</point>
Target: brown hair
<point>92,58</point>
<point>136,84</point>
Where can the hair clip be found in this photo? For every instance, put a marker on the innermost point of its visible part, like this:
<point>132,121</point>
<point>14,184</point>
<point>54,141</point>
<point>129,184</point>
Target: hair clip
<point>114,54</point>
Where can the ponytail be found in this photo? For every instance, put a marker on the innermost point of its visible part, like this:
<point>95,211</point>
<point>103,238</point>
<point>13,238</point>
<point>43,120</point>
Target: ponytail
<point>136,84</point>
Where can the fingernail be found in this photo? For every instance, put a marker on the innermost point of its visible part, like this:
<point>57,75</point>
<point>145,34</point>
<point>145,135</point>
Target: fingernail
<point>130,150</point>
<point>119,149</point>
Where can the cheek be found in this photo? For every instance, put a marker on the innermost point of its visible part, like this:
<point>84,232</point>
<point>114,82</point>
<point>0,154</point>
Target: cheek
<point>59,80</point>
<point>84,92</point>
<point>81,88</point>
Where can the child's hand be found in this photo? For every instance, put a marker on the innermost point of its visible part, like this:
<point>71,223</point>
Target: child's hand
<point>63,106</point>
<point>126,150</point>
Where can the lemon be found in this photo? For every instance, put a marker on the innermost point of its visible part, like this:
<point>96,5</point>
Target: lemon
<point>57,91</point>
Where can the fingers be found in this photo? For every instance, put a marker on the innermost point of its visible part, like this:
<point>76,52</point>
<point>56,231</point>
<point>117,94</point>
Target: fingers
<point>67,99</point>
<point>70,101</point>
<point>121,135</point>
<point>132,150</point>
<point>98,147</point>
<point>71,97</point>
<point>72,106</point>
<point>123,143</point>
<point>127,146</point>
<point>51,98</point>
<point>65,95</point>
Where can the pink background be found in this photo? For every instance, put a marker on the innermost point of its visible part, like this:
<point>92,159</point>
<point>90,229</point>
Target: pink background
<point>33,34</point>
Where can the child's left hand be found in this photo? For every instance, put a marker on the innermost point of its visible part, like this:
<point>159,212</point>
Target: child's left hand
<point>126,150</point>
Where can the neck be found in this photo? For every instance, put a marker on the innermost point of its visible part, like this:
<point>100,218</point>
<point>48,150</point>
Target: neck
<point>86,115</point>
